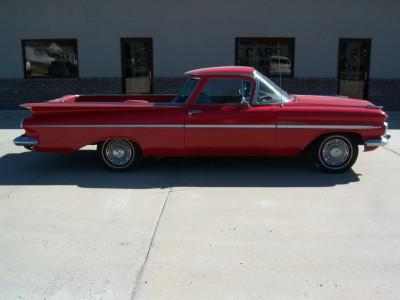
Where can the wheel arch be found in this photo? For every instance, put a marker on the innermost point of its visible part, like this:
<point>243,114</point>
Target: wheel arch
<point>356,137</point>
<point>101,141</point>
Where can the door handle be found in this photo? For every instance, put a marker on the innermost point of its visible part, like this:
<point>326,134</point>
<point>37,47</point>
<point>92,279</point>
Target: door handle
<point>194,111</point>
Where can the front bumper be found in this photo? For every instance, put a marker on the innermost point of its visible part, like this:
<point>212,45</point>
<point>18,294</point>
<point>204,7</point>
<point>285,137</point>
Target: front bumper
<point>25,141</point>
<point>372,144</point>
<point>382,141</point>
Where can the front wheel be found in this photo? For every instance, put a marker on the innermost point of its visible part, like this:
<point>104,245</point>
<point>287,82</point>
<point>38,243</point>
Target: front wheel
<point>119,154</point>
<point>335,153</point>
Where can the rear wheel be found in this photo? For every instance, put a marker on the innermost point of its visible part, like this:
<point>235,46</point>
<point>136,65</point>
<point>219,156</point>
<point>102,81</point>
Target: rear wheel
<point>335,153</point>
<point>119,154</point>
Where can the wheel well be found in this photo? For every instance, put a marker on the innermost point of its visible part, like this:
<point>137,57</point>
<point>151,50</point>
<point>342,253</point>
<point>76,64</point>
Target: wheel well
<point>357,138</point>
<point>99,143</point>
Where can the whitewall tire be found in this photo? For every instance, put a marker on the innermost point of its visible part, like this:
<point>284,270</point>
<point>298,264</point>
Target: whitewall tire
<point>335,153</point>
<point>119,154</point>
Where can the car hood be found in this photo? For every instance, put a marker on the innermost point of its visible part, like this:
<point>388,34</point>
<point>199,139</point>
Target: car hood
<point>312,100</point>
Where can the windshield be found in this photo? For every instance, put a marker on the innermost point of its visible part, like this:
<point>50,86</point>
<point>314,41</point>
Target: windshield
<point>269,92</point>
<point>186,90</point>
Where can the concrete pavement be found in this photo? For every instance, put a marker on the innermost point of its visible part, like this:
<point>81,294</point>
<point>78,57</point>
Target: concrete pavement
<point>197,228</point>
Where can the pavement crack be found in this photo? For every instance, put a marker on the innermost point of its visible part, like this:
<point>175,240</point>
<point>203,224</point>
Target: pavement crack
<point>140,273</point>
<point>396,153</point>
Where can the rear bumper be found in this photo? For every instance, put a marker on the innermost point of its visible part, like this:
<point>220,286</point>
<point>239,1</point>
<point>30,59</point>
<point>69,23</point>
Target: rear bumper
<point>25,141</point>
<point>382,141</point>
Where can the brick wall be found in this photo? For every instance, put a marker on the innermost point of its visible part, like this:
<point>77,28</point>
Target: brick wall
<point>309,86</point>
<point>17,91</point>
<point>168,85</point>
<point>385,93</point>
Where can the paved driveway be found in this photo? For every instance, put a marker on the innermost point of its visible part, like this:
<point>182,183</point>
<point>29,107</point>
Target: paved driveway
<point>197,228</point>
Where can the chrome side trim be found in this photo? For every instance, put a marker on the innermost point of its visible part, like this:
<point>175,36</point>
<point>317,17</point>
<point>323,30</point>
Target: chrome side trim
<point>382,141</point>
<point>321,126</point>
<point>229,126</point>
<point>158,126</point>
<point>26,141</point>
<point>112,126</point>
<point>279,126</point>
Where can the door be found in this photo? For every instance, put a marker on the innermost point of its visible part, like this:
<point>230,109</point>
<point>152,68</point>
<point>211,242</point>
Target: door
<point>220,122</point>
<point>353,70</point>
<point>137,65</point>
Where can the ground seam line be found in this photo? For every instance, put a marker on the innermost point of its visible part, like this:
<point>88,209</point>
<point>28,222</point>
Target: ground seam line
<point>140,273</point>
<point>398,154</point>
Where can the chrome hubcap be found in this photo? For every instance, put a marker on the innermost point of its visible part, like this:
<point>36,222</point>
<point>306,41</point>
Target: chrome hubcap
<point>335,152</point>
<point>119,152</point>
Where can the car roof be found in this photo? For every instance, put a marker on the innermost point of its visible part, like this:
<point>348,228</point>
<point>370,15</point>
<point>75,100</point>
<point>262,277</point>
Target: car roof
<point>227,70</point>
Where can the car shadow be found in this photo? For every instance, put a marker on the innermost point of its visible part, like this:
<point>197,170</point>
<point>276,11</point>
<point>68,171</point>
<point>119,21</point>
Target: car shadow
<point>83,169</point>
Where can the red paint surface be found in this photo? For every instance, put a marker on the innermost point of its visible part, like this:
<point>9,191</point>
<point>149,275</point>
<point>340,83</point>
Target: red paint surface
<point>111,110</point>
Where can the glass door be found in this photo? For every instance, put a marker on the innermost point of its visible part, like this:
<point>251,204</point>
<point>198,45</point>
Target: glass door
<point>137,65</point>
<point>353,70</point>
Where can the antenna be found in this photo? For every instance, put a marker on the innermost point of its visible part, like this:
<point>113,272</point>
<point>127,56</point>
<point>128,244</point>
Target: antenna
<point>279,71</point>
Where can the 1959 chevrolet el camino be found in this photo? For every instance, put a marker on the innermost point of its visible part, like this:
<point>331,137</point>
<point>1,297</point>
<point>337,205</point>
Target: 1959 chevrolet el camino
<point>222,111</point>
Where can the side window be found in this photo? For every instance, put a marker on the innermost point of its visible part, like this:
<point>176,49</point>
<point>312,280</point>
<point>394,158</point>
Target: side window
<point>269,92</point>
<point>186,90</point>
<point>225,91</point>
<point>267,95</point>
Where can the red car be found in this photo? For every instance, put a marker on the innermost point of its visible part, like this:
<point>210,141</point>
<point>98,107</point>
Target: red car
<point>223,111</point>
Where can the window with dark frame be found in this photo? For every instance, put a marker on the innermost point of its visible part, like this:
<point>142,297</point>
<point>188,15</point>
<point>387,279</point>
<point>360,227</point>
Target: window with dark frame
<point>270,56</point>
<point>50,58</point>
<point>225,91</point>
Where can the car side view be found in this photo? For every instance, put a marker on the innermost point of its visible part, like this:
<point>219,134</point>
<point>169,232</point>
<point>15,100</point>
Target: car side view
<point>221,111</point>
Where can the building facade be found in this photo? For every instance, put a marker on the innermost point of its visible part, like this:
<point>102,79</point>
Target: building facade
<point>53,48</point>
